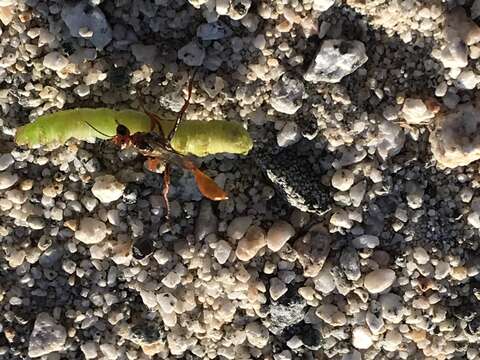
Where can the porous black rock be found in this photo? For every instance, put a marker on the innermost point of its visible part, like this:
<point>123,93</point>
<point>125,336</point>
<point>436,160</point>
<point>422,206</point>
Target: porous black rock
<point>294,172</point>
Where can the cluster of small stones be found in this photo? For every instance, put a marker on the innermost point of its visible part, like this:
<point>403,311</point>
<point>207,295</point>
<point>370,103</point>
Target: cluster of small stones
<point>383,90</point>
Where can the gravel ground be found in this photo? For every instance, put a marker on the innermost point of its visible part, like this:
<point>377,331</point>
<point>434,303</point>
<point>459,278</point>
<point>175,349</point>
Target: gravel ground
<point>352,227</point>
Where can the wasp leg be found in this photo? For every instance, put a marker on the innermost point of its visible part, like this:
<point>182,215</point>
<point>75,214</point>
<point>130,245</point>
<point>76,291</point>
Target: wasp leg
<point>153,164</point>
<point>155,124</point>
<point>166,188</point>
<point>183,110</point>
<point>154,118</point>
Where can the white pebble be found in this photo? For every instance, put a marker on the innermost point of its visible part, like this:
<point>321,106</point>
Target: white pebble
<point>55,61</point>
<point>277,288</point>
<point>257,334</point>
<point>110,351</point>
<point>467,80</point>
<point>91,231</point>
<point>294,342</point>
<point>420,255</point>
<point>454,55</point>
<point>171,280</point>
<point>379,280</point>
<point>238,227</point>
<point>167,302</point>
<point>222,7</point>
<point>69,266</point>
<point>466,194</point>
<point>391,140</point>
<point>335,60</point>
<point>107,188</point>
<point>89,349</point>
<point>82,90</point>
<point>392,307</point>
<point>441,89</point>
<point>7,180</point>
<point>473,219</point>
<point>322,5</point>
<point>287,94</point>
<point>331,315</point>
<point>289,135</point>
<point>392,340</point>
<point>324,281</point>
<point>47,336</point>
<point>455,141</point>
<point>222,251</point>
<point>357,192</point>
<point>162,256</point>
<point>284,355</point>
<point>16,258</point>
<point>239,9</point>
<point>442,270</point>
<point>416,112</point>
<point>343,179</point>
<point>340,218</point>
<point>148,298</point>
<point>361,338</point>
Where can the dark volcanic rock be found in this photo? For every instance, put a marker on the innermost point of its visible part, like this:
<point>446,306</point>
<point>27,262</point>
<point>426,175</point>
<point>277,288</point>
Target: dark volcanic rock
<point>294,173</point>
<point>289,311</point>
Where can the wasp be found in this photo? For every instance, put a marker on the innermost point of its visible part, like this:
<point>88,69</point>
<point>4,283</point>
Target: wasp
<point>156,146</point>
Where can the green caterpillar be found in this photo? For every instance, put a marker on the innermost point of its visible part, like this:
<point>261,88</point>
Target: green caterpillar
<point>199,138</point>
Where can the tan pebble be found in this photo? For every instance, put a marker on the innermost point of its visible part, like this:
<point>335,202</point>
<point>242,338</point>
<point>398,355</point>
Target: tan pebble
<point>312,250</point>
<point>284,26</point>
<point>72,224</point>
<point>25,16</point>
<point>33,255</point>
<point>425,284</point>
<point>241,274</point>
<point>16,258</point>
<point>9,334</point>
<point>278,235</point>
<point>459,273</point>
<point>252,293</point>
<point>26,185</point>
<point>6,14</point>
<point>416,335</point>
<point>307,293</point>
<point>249,245</point>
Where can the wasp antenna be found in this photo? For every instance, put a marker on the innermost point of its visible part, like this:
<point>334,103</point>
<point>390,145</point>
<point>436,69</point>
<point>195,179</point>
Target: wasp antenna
<point>100,132</point>
<point>184,108</point>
